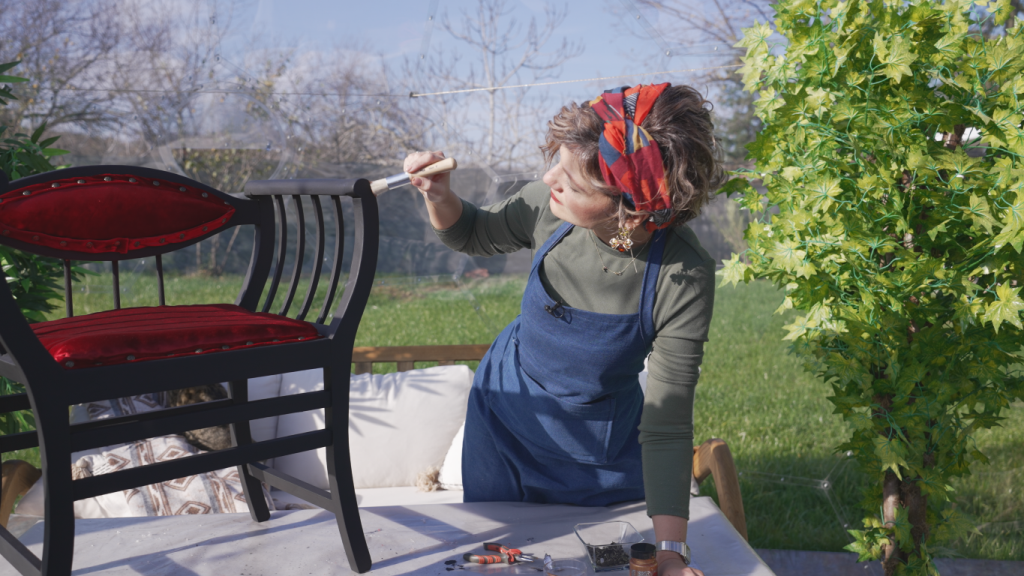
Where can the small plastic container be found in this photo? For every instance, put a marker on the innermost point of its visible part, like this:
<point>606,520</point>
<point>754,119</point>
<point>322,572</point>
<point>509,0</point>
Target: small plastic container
<point>568,568</point>
<point>608,543</point>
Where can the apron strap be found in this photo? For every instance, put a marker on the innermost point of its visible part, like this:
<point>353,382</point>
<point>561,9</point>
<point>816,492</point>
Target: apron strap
<point>548,244</point>
<point>650,284</point>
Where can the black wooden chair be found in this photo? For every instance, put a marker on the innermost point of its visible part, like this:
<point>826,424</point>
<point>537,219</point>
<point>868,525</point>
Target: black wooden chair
<point>114,213</point>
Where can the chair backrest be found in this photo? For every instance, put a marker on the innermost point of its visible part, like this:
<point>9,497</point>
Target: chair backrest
<point>114,213</point>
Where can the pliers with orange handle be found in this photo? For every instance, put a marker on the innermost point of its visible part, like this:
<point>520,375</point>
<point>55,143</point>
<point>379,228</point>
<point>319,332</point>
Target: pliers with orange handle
<point>505,555</point>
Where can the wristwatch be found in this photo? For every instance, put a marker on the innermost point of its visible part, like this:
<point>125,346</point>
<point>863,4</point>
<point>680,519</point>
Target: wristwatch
<point>678,547</point>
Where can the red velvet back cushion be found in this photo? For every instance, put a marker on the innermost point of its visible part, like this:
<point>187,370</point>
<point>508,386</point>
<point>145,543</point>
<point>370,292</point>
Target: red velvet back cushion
<point>110,213</point>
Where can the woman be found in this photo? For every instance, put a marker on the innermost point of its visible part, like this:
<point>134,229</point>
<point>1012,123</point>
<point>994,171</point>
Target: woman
<point>556,413</point>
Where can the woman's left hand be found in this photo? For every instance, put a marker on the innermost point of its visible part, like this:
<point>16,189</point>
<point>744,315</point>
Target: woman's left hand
<point>672,564</point>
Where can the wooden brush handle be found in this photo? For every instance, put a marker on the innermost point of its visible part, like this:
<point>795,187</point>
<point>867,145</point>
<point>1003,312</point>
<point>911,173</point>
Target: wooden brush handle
<point>446,165</point>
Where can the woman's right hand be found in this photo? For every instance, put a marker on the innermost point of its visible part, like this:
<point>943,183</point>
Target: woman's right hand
<point>434,188</point>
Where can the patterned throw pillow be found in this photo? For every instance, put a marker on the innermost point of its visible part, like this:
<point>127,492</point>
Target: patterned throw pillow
<point>103,409</point>
<point>207,493</point>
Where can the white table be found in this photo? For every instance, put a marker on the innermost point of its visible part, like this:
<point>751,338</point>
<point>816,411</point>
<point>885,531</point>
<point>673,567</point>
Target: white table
<point>402,540</point>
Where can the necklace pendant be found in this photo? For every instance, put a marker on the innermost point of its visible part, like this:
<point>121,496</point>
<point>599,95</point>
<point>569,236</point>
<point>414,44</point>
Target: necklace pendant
<point>605,268</point>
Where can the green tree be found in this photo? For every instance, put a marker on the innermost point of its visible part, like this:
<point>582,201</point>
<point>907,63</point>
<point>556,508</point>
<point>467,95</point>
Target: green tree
<point>33,280</point>
<point>893,153</point>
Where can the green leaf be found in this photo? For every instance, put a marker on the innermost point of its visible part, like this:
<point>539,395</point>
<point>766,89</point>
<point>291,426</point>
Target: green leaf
<point>860,421</point>
<point>735,185</point>
<point>734,271</point>
<point>979,211</point>
<point>822,192</point>
<point>801,325</point>
<point>1001,10</point>
<point>38,132</point>
<point>892,453</point>
<point>8,65</point>
<point>901,528</point>
<point>1006,308</point>
<point>755,39</point>
<point>787,255</point>
<point>936,230</point>
<point>12,79</point>
<point>896,57</point>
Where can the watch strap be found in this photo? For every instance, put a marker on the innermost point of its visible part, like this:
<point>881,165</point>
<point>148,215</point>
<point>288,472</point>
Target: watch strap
<point>678,547</point>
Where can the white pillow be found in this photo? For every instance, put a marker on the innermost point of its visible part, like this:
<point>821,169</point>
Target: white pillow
<point>259,389</point>
<point>450,477</point>
<point>400,424</point>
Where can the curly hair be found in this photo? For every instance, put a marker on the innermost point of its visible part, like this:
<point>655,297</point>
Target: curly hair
<point>680,124</point>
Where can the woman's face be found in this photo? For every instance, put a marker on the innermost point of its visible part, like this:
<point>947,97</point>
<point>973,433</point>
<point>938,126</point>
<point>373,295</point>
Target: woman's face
<point>572,199</point>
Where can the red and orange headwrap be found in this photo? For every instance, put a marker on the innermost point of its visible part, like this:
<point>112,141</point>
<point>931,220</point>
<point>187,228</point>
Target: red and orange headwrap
<point>630,160</point>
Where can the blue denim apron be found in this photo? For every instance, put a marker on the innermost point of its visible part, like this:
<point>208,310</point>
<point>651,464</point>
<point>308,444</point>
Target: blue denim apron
<point>555,406</point>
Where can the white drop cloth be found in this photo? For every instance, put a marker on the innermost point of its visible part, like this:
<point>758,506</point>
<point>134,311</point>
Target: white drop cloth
<point>402,540</point>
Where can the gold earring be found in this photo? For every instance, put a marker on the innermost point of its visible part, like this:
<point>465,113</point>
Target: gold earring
<point>622,241</point>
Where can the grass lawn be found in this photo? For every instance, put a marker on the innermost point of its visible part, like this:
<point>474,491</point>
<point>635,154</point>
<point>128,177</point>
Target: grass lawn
<point>797,494</point>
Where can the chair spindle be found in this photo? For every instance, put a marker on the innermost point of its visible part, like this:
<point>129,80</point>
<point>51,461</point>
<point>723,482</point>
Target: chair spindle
<point>68,306</point>
<point>300,252</point>
<point>117,284</point>
<point>318,259</point>
<point>282,252</point>
<point>160,278</point>
<point>339,249</point>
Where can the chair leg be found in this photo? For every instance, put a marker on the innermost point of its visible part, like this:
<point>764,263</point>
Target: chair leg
<point>240,436</point>
<point>714,458</point>
<point>59,518</point>
<point>339,471</point>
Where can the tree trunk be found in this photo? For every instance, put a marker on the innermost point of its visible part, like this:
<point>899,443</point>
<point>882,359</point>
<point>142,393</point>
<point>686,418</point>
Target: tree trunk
<point>890,500</point>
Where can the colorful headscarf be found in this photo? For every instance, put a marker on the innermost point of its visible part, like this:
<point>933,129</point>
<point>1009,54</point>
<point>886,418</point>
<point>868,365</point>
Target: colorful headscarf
<point>630,160</point>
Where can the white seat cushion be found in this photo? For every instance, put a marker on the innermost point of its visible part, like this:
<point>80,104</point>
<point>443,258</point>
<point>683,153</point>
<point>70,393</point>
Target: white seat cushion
<point>400,424</point>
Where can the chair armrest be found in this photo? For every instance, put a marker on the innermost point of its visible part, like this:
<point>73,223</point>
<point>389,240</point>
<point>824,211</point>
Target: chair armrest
<point>18,477</point>
<point>714,458</point>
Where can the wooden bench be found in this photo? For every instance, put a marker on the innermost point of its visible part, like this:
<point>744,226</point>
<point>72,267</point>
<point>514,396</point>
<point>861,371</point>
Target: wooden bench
<point>712,458</point>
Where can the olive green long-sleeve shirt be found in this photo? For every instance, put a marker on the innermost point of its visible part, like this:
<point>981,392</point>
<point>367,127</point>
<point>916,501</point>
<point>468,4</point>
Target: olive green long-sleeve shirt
<point>573,273</point>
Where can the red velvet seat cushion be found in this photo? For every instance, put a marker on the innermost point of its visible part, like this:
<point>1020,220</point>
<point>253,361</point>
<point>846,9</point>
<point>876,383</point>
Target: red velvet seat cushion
<point>138,334</point>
